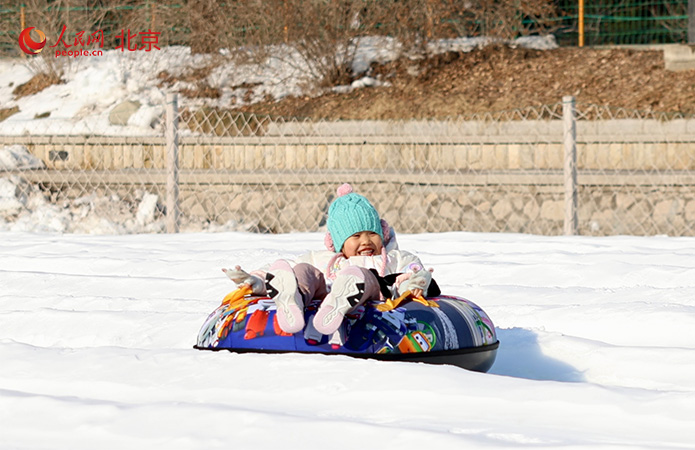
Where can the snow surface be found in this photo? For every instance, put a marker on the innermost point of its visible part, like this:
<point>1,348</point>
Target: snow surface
<point>96,333</point>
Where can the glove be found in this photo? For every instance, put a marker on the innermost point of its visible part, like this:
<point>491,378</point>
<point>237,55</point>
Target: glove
<point>240,277</point>
<point>417,278</point>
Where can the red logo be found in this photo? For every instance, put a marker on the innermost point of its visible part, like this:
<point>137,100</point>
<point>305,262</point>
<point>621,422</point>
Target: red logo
<point>28,45</point>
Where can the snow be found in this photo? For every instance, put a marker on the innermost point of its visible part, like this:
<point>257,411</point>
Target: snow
<point>96,330</point>
<point>94,85</point>
<point>17,157</point>
<point>96,333</point>
<point>24,207</point>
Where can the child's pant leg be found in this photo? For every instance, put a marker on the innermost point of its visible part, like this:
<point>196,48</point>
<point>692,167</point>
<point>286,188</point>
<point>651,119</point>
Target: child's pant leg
<point>310,281</point>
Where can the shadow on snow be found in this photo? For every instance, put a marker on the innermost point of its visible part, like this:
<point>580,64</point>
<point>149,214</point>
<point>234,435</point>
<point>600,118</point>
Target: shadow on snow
<point>520,356</point>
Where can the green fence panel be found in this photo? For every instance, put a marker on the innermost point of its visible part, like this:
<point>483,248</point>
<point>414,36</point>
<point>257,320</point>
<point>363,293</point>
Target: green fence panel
<point>620,22</point>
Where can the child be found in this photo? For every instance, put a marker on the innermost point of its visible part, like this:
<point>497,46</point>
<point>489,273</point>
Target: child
<point>362,262</point>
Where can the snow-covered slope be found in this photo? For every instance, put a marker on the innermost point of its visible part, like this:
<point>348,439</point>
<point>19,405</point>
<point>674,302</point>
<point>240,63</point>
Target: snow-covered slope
<point>96,334</point>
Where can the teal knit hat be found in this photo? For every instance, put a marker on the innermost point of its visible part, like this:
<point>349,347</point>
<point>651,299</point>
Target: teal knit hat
<point>351,213</point>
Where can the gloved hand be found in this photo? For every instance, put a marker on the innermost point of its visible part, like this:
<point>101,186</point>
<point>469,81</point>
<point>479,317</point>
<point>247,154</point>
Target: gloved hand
<point>240,277</point>
<point>417,280</point>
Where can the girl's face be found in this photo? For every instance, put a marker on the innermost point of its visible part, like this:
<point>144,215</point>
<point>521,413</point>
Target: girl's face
<point>364,243</point>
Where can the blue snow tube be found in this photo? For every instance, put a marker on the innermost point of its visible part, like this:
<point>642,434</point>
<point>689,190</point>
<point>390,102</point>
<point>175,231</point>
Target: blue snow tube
<point>457,332</point>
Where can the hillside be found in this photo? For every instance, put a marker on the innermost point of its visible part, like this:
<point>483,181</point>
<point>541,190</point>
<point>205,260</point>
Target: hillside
<point>498,78</point>
<point>487,79</point>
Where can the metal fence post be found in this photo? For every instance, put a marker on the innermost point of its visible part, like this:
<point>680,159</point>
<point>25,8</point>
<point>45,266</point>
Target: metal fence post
<point>172,143</point>
<point>691,22</point>
<point>569,120</point>
<point>581,23</point>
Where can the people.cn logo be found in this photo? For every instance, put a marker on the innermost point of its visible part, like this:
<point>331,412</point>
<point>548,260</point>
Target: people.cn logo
<point>30,46</point>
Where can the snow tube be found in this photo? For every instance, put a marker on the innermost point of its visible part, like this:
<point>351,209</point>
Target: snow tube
<point>456,332</point>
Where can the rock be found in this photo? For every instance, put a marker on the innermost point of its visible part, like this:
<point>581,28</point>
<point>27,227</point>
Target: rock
<point>668,207</point>
<point>553,210</point>
<point>432,199</point>
<point>448,210</point>
<point>391,216</point>
<point>254,202</point>
<point>483,207</point>
<point>531,209</point>
<point>666,210</point>
<point>147,209</point>
<point>602,220</point>
<point>624,201</point>
<point>502,209</point>
<point>120,114</point>
<point>236,204</point>
<point>198,210</point>
<point>464,199</point>
<point>690,211</point>
<point>516,223</point>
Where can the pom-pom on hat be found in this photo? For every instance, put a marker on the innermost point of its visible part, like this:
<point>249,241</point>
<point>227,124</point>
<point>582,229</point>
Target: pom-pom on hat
<point>350,213</point>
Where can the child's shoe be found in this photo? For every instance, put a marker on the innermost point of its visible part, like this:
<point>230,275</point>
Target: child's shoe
<point>346,294</point>
<point>281,286</point>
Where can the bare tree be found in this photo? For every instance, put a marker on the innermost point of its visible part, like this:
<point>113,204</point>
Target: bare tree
<point>324,33</point>
<point>70,25</point>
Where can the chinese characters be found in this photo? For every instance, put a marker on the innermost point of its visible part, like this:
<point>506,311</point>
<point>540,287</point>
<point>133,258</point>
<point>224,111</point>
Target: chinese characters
<point>144,40</point>
<point>148,39</point>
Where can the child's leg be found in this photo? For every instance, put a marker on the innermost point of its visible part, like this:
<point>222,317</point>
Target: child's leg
<point>352,287</point>
<point>281,285</point>
<point>311,283</point>
<point>292,288</point>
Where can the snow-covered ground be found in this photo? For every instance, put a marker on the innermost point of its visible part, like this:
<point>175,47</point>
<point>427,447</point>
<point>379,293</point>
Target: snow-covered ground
<point>96,334</point>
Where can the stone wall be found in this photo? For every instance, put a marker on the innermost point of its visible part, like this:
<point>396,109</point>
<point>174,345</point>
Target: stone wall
<point>415,208</point>
<point>635,176</point>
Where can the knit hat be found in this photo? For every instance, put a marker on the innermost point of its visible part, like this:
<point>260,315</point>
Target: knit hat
<point>350,213</point>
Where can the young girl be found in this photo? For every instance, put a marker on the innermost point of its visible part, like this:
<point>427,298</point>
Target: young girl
<point>362,262</point>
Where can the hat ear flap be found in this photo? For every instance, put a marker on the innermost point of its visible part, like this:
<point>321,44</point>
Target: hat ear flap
<point>328,241</point>
<point>386,231</point>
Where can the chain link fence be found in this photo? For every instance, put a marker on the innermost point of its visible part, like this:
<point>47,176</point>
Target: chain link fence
<point>562,168</point>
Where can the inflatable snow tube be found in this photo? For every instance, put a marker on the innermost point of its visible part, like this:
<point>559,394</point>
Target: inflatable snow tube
<point>456,332</point>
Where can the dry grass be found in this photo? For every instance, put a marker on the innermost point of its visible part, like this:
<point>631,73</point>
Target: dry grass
<point>7,112</point>
<point>194,76</point>
<point>38,83</point>
<point>500,78</point>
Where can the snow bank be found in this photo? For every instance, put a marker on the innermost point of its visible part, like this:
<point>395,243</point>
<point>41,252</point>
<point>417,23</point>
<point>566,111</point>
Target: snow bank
<point>17,157</point>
